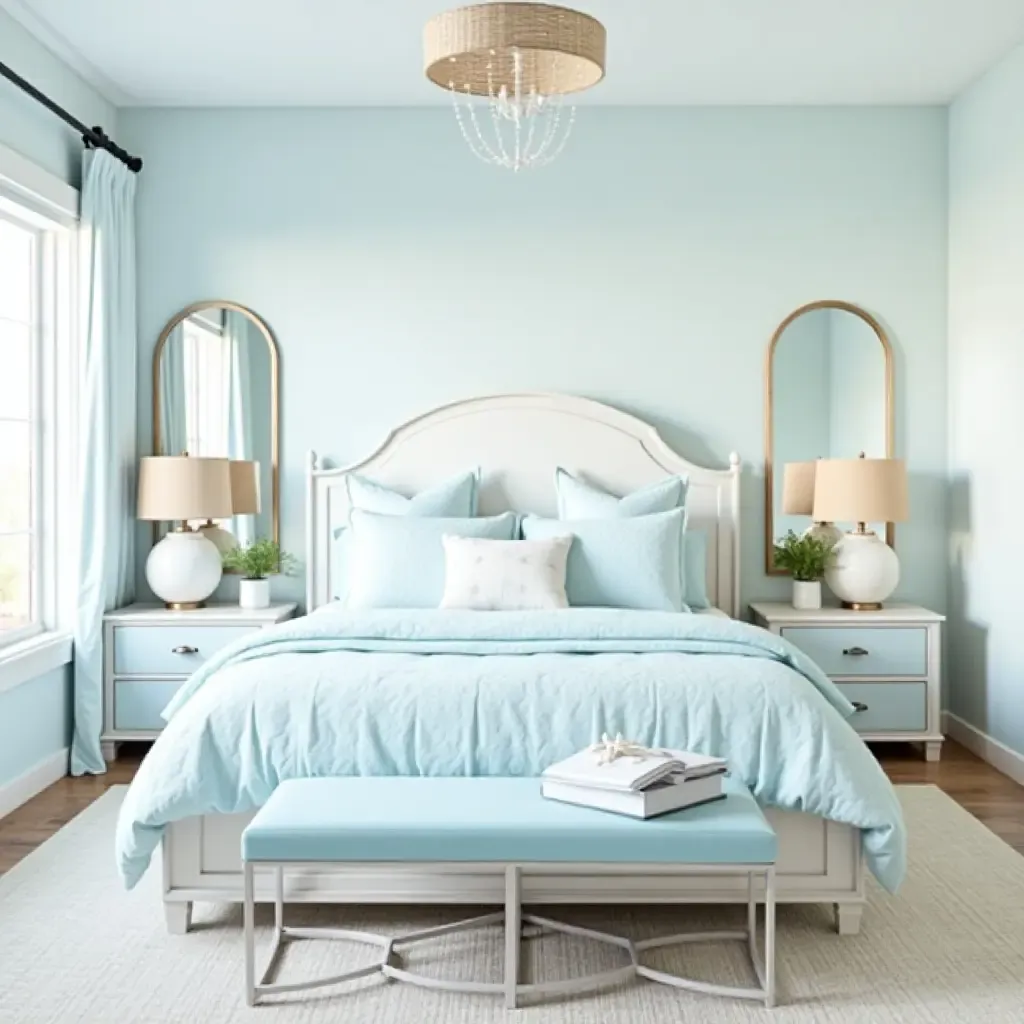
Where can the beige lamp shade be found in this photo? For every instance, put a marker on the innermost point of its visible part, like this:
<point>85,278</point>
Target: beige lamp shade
<point>798,488</point>
<point>245,487</point>
<point>183,487</point>
<point>860,490</point>
<point>477,49</point>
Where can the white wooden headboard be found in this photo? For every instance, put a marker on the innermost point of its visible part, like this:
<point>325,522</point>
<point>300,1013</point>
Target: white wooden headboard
<point>518,440</point>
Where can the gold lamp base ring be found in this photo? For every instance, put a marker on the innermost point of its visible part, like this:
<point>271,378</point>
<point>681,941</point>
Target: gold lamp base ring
<point>863,606</point>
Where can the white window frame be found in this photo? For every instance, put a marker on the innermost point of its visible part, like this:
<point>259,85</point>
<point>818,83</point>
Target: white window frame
<point>33,198</point>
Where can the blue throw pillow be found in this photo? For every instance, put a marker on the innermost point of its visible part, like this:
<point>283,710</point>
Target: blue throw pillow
<point>454,497</point>
<point>398,561</point>
<point>578,499</point>
<point>620,563</point>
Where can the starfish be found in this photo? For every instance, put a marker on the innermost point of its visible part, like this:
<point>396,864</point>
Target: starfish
<point>608,749</point>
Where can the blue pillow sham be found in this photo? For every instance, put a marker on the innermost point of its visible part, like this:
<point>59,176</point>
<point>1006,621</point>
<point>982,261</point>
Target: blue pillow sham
<point>578,499</point>
<point>455,497</point>
<point>398,561</point>
<point>620,563</point>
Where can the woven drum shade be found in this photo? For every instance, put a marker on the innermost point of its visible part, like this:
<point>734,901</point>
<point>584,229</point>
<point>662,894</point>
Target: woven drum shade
<point>245,487</point>
<point>860,490</point>
<point>183,487</point>
<point>798,488</point>
<point>471,48</point>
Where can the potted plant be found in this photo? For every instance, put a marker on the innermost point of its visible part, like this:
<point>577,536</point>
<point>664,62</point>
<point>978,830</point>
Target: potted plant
<point>805,558</point>
<point>256,561</point>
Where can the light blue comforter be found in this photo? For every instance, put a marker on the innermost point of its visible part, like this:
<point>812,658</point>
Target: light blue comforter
<point>504,693</point>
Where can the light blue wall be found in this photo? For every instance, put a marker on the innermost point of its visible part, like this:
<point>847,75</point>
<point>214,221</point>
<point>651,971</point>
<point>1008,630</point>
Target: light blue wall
<point>35,722</point>
<point>29,128</point>
<point>648,268</point>
<point>35,716</point>
<point>986,374</point>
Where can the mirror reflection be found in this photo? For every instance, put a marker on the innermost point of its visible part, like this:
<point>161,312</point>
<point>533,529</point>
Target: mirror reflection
<point>215,371</point>
<point>829,397</point>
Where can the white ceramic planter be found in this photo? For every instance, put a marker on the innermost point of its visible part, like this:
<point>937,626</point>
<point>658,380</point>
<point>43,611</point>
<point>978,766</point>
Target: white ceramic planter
<point>256,594</point>
<point>807,596</point>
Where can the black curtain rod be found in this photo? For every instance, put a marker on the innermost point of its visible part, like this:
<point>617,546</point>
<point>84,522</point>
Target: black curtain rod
<point>95,137</point>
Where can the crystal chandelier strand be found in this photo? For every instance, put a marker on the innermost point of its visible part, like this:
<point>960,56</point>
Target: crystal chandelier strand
<point>529,129</point>
<point>553,119</point>
<point>562,142</point>
<point>479,148</point>
<point>496,114</point>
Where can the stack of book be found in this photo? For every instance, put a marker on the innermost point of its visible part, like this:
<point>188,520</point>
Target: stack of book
<point>642,785</point>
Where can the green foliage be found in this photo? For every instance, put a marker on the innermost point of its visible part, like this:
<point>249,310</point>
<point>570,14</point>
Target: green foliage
<point>804,558</point>
<point>259,559</point>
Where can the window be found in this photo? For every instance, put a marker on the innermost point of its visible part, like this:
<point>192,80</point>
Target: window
<point>20,254</point>
<point>34,299</point>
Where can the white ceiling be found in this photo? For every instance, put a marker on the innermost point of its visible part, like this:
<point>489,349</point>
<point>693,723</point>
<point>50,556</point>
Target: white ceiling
<point>367,52</point>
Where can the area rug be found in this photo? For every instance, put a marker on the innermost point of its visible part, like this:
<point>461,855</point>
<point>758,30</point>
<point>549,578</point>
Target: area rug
<point>950,947</point>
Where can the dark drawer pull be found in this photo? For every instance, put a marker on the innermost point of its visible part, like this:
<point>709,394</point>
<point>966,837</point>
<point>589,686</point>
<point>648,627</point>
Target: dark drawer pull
<point>855,652</point>
<point>858,706</point>
<point>184,649</point>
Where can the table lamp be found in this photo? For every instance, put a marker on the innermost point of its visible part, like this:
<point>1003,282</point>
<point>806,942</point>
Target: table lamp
<point>865,570</point>
<point>245,501</point>
<point>798,498</point>
<point>184,568</point>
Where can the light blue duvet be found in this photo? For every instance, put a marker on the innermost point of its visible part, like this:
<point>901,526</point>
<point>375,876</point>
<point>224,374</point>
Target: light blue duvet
<point>428,692</point>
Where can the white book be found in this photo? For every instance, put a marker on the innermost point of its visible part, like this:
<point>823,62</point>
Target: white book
<point>659,798</point>
<point>630,773</point>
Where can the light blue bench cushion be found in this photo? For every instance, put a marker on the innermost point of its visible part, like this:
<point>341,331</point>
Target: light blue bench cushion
<point>418,818</point>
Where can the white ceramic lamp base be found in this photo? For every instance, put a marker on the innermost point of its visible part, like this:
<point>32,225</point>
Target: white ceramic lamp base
<point>183,570</point>
<point>864,572</point>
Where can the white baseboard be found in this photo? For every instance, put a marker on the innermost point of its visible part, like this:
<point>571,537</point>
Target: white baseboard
<point>16,792</point>
<point>999,755</point>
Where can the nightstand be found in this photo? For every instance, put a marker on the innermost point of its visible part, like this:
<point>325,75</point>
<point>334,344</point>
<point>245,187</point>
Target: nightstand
<point>149,651</point>
<point>887,663</point>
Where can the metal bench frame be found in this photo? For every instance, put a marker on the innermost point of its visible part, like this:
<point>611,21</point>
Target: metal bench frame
<point>514,920</point>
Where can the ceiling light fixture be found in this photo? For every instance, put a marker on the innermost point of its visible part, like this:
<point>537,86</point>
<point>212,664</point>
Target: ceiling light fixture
<point>523,59</point>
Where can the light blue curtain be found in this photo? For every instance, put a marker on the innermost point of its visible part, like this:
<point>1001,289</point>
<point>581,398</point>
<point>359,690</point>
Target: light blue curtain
<point>240,428</point>
<point>106,433</point>
<point>172,394</point>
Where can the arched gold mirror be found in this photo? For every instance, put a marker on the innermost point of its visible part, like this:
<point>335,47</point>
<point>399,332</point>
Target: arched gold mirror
<point>828,395</point>
<point>215,393</point>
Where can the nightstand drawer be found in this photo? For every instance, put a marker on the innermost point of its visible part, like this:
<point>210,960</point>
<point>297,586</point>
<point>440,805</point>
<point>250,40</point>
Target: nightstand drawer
<point>169,650</point>
<point>888,707</point>
<point>856,651</point>
<point>138,703</point>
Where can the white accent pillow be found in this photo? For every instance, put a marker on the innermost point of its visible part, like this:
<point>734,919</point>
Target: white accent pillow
<point>505,575</point>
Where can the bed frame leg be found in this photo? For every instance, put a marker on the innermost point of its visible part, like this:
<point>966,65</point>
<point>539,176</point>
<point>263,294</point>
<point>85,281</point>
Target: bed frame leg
<point>513,934</point>
<point>848,917</point>
<point>178,916</point>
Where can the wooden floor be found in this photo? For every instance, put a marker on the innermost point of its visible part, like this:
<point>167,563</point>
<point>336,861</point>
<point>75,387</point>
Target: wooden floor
<point>992,798</point>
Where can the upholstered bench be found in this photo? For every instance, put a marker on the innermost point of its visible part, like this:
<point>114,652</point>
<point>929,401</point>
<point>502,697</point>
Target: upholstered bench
<point>508,824</point>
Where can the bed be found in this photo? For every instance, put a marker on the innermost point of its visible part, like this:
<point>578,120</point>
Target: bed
<point>518,440</point>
